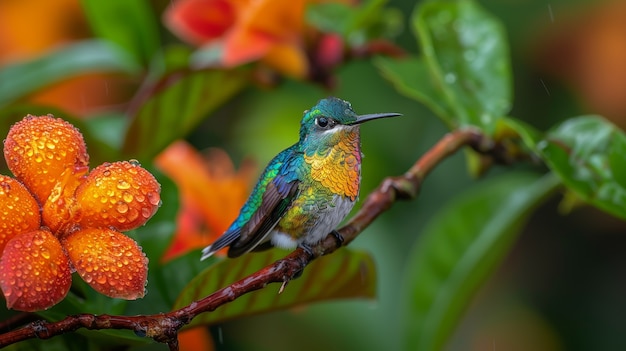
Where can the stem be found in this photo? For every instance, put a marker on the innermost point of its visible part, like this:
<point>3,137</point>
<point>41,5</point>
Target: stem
<point>164,327</point>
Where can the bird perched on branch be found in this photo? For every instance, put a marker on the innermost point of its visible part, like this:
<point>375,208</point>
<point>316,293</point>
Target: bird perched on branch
<point>307,189</point>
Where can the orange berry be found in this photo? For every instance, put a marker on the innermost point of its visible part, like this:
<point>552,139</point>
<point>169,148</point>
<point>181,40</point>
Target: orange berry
<point>120,195</point>
<point>109,261</point>
<point>34,271</point>
<point>39,149</point>
<point>19,212</point>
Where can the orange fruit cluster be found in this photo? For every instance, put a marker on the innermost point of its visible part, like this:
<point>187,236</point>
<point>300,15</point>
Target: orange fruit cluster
<point>57,217</point>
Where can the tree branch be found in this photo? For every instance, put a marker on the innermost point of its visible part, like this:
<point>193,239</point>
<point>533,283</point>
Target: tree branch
<point>164,327</point>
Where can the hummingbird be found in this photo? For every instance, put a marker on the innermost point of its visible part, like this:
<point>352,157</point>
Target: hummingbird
<point>307,189</point>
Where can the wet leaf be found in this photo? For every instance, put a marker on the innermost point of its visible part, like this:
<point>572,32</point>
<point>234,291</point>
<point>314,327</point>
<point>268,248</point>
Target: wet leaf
<point>464,73</point>
<point>460,248</point>
<point>588,153</point>
<point>466,51</point>
<point>344,274</point>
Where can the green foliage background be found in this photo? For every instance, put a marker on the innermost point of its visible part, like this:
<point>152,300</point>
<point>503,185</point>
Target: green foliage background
<point>474,263</point>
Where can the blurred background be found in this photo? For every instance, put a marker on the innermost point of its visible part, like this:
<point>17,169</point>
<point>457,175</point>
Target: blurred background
<point>561,287</point>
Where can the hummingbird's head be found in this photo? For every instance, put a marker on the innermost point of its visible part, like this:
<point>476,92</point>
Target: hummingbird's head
<point>331,115</point>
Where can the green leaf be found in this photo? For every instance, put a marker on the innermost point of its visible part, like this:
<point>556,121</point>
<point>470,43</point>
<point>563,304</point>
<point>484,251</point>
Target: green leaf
<point>330,17</point>
<point>411,77</point>
<point>344,274</point>
<point>589,154</point>
<point>130,24</point>
<point>23,78</point>
<point>175,105</point>
<point>171,278</point>
<point>357,24</point>
<point>464,74</point>
<point>511,128</point>
<point>460,247</point>
<point>466,51</point>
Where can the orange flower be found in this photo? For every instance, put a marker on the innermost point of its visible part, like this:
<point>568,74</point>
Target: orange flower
<point>81,217</point>
<point>272,31</point>
<point>56,23</point>
<point>211,193</point>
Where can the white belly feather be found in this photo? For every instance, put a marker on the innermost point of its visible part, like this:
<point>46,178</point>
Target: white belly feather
<point>329,219</point>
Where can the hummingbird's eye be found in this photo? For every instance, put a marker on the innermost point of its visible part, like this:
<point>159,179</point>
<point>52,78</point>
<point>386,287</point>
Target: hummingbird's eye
<point>324,122</point>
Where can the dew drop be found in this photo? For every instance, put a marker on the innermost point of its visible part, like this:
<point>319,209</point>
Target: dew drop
<point>132,215</point>
<point>146,213</point>
<point>123,185</point>
<point>45,254</point>
<point>154,198</point>
<point>128,197</point>
<point>101,279</point>
<point>450,78</point>
<point>122,207</point>
<point>37,240</point>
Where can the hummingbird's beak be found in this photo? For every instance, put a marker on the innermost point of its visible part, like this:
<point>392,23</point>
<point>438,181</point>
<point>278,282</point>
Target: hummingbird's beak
<point>364,118</point>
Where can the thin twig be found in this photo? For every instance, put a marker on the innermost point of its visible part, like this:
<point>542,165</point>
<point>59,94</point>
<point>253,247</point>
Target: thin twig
<point>164,327</point>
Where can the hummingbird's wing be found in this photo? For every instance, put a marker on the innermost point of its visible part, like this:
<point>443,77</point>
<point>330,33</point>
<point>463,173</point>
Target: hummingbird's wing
<point>277,198</point>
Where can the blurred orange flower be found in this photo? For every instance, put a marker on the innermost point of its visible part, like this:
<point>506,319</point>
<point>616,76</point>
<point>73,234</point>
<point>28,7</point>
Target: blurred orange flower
<point>211,193</point>
<point>56,217</point>
<point>272,31</point>
<point>586,49</point>
<point>53,24</point>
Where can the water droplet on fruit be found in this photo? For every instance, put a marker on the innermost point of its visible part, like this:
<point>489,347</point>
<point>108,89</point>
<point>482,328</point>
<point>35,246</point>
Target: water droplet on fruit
<point>128,197</point>
<point>122,207</point>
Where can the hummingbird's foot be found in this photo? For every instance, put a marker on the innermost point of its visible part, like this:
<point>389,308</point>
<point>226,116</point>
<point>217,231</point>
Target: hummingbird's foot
<point>338,236</point>
<point>309,251</point>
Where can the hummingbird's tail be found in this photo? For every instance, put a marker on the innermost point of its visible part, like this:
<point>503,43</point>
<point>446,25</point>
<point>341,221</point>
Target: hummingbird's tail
<point>223,241</point>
